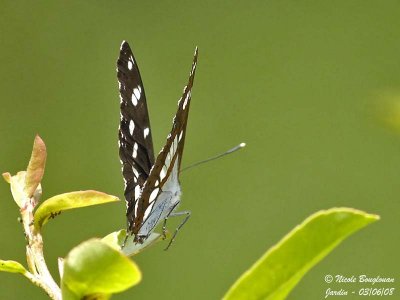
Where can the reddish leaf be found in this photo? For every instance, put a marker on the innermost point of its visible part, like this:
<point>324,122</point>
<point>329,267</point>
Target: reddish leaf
<point>35,170</point>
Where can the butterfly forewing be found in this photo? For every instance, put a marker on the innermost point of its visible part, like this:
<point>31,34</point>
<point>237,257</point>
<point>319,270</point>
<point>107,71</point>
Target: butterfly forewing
<point>135,141</point>
<point>161,191</point>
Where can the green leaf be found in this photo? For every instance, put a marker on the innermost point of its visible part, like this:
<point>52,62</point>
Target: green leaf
<point>35,170</point>
<point>12,266</point>
<point>95,268</point>
<point>118,238</point>
<point>276,273</point>
<point>67,294</point>
<point>53,206</point>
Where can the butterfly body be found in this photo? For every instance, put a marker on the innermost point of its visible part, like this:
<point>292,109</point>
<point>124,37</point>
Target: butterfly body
<point>152,188</point>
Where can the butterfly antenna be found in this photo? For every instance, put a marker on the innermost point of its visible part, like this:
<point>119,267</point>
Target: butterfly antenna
<point>234,149</point>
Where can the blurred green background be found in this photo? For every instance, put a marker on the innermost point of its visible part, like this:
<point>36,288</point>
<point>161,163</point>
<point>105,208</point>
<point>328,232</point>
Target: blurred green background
<point>299,81</point>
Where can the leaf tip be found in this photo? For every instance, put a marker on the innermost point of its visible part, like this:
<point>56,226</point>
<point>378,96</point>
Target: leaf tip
<point>111,198</point>
<point>39,144</point>
<point>373,217</point>
<point>7,177</point>
<point>36,166</point>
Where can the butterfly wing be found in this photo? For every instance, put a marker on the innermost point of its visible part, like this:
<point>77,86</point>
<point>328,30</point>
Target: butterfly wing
<point>162,185</point>
<point>135,142</point>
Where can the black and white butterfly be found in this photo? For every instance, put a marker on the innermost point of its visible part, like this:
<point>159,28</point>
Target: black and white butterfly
<point>152,189</point>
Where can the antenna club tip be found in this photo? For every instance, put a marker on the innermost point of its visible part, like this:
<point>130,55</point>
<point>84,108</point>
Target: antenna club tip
<point>241,145</point>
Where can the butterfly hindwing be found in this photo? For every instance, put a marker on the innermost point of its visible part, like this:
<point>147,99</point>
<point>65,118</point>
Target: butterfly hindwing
<point>161,191</point>
<point>135,141</point>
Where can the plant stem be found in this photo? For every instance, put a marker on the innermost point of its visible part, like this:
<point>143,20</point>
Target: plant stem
<point>34,253</point>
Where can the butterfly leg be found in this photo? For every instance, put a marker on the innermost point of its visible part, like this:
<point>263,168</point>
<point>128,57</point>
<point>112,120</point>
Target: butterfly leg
<point>126,238</point>
<point>164,227</point>
<point>176,214</point>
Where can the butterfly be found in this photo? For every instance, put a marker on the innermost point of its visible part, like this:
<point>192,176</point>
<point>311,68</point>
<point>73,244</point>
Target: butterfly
<point>152,188</point>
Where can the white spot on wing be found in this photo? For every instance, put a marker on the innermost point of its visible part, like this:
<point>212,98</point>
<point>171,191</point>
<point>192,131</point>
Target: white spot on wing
<point>163,173</point>
<point>186,100</point>
<point>134,99</point>
<point>130,65</point>
<point>136,207</point>
<point>153,195</point>
<point>180,135</point>
<point>146,132</point>
<point>175,144</point>
<point>124,180</point>
<point>148,210</point>
<point>137,92</point>
<point>135,172</point>
<point>131,126</point>
<point>168,159</point>
<point>137,192</point>
<point>134,153</point>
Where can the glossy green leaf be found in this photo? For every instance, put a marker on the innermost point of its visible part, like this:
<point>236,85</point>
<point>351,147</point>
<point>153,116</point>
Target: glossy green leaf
<point>53,206</point>
<point>12,266</point>
<point>35,170</point>
<point>95,268</point>
<point>118,241</point>
<point>276,273</point>
<point>67,294</point>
